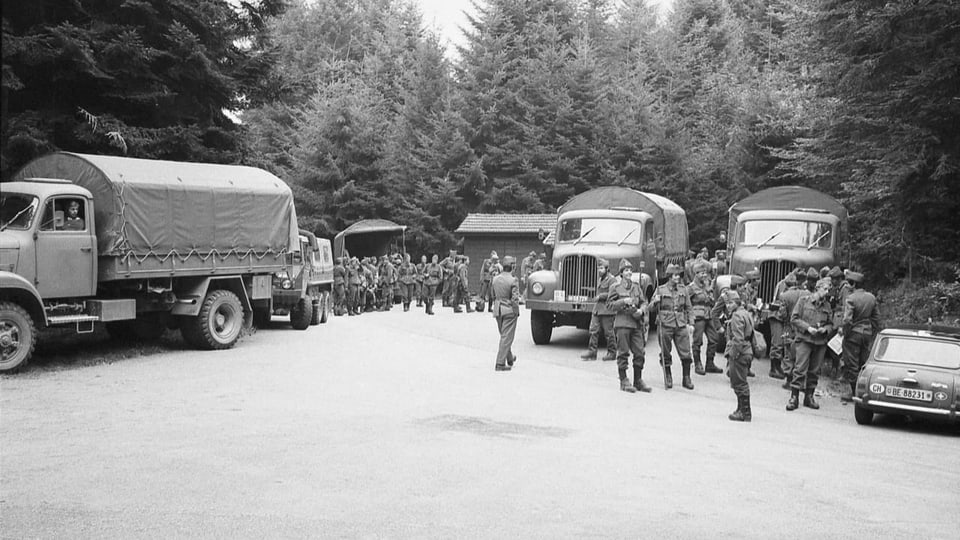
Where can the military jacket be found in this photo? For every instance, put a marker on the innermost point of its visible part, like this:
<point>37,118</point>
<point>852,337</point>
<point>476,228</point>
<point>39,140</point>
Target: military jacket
<point>421,268</point>
<point>627,301</point>
<point>810,313</point>
<point>353,275</point>
<point>339,275</point>
<point>407,273</point>
<point>449,267</point>
<point>433,272</point>
<point>748,295</point>
<point>739,332</point>
<point>788,301</point>
<point>506,296</point>
<point>860,313</point>
<point>603,293</point>
<point>701,298</point>
<point>485,270</point>
<point>673,306</point>
<point>462,270</point>
<point>388,274</point>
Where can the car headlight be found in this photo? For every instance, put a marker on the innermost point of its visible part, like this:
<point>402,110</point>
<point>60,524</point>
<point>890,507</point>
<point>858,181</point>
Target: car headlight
<point>537,288</point>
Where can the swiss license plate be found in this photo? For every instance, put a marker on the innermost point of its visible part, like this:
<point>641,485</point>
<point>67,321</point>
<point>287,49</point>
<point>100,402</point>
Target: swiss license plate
<point>909,393</point>
<point>559,296</point>
<point>576,298</point>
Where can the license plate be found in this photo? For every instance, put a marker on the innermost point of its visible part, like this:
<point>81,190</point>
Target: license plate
<point>559,296</point>
<point>576,298</point>
<point>909,393</point>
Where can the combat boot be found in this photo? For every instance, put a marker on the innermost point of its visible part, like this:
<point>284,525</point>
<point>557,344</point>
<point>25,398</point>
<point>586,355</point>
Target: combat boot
<point>686,382</point>
<point>698,367</point>
<point>809,401</point>
<point>743,413</point>
<point>776,372</point>
<point>638,383</point>
<point>794,400</point>
<point>469,306</point>
<point>625,384</point>
<point>668,377</point>
<point>406,306</point>
<point>712,367</point>
<point>589,355</point>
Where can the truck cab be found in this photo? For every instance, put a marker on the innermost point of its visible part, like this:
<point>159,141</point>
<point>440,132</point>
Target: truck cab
<point>302,290</point>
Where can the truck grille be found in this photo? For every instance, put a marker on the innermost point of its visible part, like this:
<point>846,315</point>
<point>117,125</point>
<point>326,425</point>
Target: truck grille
<point>771,272</point>
<point>578,275</point>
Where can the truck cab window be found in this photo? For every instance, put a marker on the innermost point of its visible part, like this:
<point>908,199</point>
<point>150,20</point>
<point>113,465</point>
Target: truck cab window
<point>64,214</point>
<point>16,211</point>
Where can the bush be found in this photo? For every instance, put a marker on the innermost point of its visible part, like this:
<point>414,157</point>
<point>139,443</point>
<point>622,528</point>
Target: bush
<point>936,301</point>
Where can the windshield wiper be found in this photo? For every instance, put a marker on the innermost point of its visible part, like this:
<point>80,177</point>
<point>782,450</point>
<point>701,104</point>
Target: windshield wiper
<point>20,213</point>
<point>817,241</point>
<point>774,235</point>
<point>624,239</point>
<point>584,235</point>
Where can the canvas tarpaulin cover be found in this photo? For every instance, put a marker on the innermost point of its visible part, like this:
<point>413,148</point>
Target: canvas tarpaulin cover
<point>667,215</point>
<point>787,198</point>
<point>365,238</point>
<point>152,207</point>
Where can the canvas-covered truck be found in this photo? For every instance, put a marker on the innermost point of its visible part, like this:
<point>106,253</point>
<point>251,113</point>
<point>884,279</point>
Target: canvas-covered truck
<point>613,223</point>
<point>303,291</point>
<point>141,245</point>
<point>778,229</point>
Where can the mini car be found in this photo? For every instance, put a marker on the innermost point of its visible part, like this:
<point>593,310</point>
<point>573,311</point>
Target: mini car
<point>912,370</point>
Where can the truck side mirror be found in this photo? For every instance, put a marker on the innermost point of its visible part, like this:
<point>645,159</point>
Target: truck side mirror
<point>58,220</point>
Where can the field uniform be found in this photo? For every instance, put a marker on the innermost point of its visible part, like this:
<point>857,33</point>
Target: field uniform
<point>739,353</point>
<point>339,288</point>
<point>860,323</point>
<point>627,301</point>
<point>506,310</point>
<point>702,299</point>
<point>407,276</point>
<point>674,314</point>
<point>432,278</point>
<point>810,312</point>
<point>601,320</point>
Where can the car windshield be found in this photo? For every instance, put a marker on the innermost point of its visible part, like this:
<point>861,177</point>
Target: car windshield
<point>769,232</point>
<point>621,231</point>
<point>922,352</point>
<point>16,211</point>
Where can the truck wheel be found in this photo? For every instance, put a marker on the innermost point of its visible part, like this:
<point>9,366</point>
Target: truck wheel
<point>218,324</point>
<point>541,326</point>
<point>18,336</point>
<point>862,415</point>
<point>301,314</point>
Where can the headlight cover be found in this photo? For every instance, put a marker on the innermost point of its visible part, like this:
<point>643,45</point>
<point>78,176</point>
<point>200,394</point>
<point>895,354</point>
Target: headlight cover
<point>537,288</point>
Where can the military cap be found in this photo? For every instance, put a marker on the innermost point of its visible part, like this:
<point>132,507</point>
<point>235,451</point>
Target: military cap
<point>856,277</point>
<point>674,269</point>
<point>533,253</point>
<point>752,274</point>
<point>624,263</point>
<point>824,271</point>
<point>701,266</point>
<point>791,279</point>
<point>493,254</point>
<point>603,262</point>
<point>835,272</point>
<point>508,260</point>
<point>736,280</point>
<point>731,296</point>
<point>812,274</point>
<point>494,257</point>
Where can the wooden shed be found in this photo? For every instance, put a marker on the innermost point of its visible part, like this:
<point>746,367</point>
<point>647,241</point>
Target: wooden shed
<point>507,234</point>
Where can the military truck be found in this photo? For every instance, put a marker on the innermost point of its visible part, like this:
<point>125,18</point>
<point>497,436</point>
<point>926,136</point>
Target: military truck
<point>303,292</point>
<point>613,223</point>
<point>153,244</point>
<point>778,229</point>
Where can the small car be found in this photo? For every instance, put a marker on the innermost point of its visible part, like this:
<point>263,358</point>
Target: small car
<point>913,370</point>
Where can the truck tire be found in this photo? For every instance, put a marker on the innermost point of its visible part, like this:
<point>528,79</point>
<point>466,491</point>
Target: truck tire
<point>18,336</point>
<point>301,314</point>
<point>541,326</point>
<point>218,324</point>
<point>321,315</point>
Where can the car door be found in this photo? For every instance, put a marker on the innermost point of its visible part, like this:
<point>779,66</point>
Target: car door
<point>66,257</point>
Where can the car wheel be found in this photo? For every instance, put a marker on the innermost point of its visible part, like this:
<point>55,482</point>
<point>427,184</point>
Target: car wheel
<point>863,415</point>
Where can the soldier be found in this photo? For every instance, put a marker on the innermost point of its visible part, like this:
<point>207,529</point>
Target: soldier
<point>719,262</point>
<point>354,279</point>
<point>540,263</point>
<point>777,323</point>
<point>788,300</point>
<point>812,319</point>
<point>485,279</point>
<point>432,277</point>
<point>673,313</point>
<point>749,292</point>
<point>369,300</point>
<point>526,267</point>
<point>506,310</point>
<point>861,321</point>
<point>339,287</point>
<point>719,315</point>
<point>495,269</point>
<point>602,318</point>
<point>739,353</point>
<point>462,294</point>
<point>407,276</point>
<point>387,277</point>
<point>702,298</point>
<point>629,324</point>
<point>421,267</point>
<point>449,266</point>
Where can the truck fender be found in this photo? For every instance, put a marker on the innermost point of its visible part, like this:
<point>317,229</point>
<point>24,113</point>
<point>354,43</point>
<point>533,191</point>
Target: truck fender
<point>191,292</point>
<point>646,285</point>
<point>14,288</point>
<point>721,283</point>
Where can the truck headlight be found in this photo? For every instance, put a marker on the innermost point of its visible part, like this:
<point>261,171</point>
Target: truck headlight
<point>537,288</point>
<point>286,283</point>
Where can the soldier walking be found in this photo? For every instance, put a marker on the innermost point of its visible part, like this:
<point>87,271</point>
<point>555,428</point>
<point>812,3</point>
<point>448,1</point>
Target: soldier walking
<point>602,318</point>
<point>506,310</point>
<point>739,352</point>
<point>627,301</point>
<point>702,299</point>
<point>812,319</point>
<point>861,321</point>
<point>432,277</point>
<point>407,276</point>
<point>673,310</point>
<point>421,268</point>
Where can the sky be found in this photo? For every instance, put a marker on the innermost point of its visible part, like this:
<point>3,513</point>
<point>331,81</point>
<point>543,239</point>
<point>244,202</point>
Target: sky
<point>447,16</point>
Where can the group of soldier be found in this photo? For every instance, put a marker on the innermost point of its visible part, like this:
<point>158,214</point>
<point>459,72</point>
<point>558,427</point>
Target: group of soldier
<point>809,307</point>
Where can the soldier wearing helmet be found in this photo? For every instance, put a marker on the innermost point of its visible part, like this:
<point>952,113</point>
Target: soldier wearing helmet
<point>701,293</point>
<point>674,310</point>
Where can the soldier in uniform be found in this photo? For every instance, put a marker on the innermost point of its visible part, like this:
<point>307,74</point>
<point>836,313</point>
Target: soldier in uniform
<point>812,319</point>
<point>778,326</point>
<point>540,263</point>
<point>353,287</point>
<point>506,310</point>
<point>462,294</point>
<point>702,299</point>
<point>449,266</point>
<point>788,300</point>
<point>526,266</point>
<point>407,276</point>
<point>748,291</point>
<point>432,278</point>
<point>673,313</point>
<point>602,318</point>
<point>719,313</point>
<point>421,267</point>
<point>861,322</point>
<point>627,301</point>
<point>739,352</point>
<point>485,279</point>
<point>387,279</point>
<point>369,300</point>
<point>812,278</point>
<point>339,287</point>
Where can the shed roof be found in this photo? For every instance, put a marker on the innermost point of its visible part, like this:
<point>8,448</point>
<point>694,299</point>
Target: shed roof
<point>507,223</point>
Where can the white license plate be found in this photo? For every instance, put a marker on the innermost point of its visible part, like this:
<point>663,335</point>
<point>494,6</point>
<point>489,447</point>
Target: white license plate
<point>559,296</point>
<point>576,298</point>
<point>909,393</point>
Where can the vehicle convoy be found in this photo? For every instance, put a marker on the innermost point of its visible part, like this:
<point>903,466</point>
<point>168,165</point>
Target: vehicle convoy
<point>912,370</point>
<point>613,223</point>
<point>778,229</point>
<point>303,292</point>
<point>147,245</point>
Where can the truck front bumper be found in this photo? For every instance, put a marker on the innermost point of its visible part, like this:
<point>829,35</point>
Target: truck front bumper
<point>559,307</point>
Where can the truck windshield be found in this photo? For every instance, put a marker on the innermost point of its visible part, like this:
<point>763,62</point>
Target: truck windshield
<point>768,232</point>
<point>600,230</point>
<point>16,211</point>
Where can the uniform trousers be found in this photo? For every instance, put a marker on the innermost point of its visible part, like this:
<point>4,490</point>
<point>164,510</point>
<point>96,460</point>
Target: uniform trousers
<point>408,291</point>
<point>856,349</point>
<point>776,340</point>
<point>675,336</point>
<point>630,341</point>
<point>705,327</point>
<point>738,366</point>
<point>507,325</point>
<point>602,323</point>
<point>806,372</point>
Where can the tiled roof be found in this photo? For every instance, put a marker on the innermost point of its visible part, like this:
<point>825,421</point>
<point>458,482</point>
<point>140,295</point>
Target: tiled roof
<point>507,223</point>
